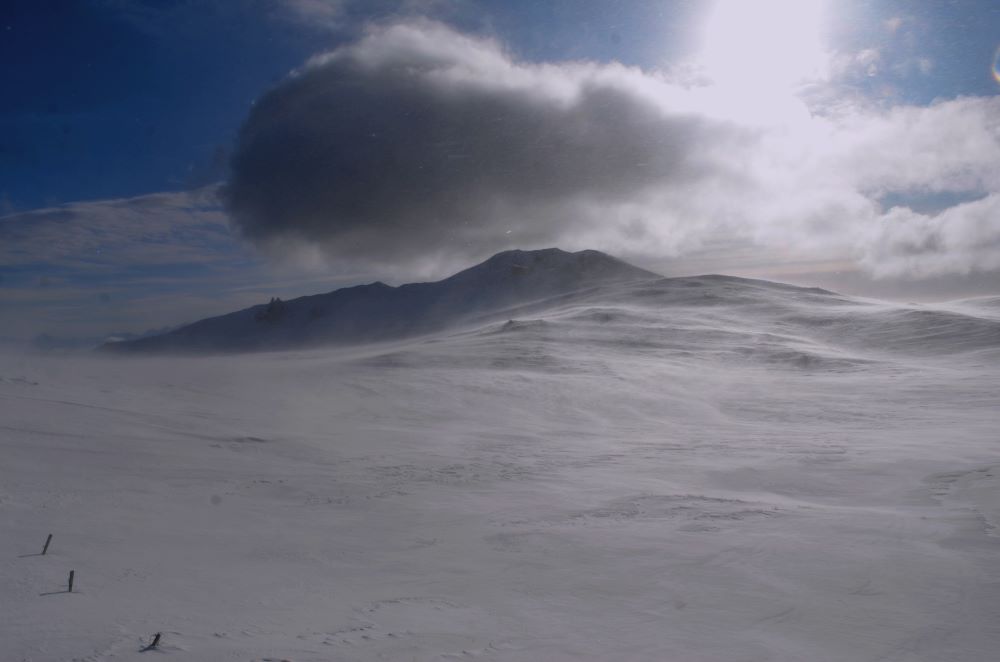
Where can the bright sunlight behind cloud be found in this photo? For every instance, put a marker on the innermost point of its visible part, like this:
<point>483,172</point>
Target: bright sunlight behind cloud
<point>482,152</point>
<point>766,46</point>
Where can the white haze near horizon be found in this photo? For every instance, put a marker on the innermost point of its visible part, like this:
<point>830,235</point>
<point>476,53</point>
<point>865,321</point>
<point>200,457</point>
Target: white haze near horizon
<point>710,472</point>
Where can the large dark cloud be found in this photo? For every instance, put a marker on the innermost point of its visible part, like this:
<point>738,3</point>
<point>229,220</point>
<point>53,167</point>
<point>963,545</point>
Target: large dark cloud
<point>418,140</point>
<point>418,144</point>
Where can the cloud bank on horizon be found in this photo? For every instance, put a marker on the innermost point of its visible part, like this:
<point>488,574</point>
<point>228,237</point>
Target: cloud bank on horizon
<point>420,142</point>
<point>85,269</point>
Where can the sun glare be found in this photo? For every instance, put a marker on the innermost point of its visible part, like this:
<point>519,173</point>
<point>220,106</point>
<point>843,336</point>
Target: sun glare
<point>756,55</point>
<point>768,45</point>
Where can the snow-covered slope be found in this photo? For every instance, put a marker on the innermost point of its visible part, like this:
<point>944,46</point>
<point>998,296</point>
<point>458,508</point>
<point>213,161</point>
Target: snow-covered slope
<point>702,469</point>
<point>376,312</point>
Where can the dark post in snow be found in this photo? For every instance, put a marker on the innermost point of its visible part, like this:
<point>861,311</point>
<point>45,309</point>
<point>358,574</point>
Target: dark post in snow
<point>71,574</point>
<point>153,644</point>
<point>46,548</point>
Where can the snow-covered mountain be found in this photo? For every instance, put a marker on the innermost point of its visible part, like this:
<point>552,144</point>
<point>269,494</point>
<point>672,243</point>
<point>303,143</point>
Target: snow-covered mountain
<point>378,311</point>
<point>585,462</point>
<point>748,318</point>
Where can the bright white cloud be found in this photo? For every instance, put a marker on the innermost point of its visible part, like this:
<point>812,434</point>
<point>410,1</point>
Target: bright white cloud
<point>959,240</point>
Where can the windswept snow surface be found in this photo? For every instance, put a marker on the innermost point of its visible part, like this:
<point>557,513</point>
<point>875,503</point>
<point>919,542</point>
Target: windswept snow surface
<point>379,312</point>
<point>701,470</point>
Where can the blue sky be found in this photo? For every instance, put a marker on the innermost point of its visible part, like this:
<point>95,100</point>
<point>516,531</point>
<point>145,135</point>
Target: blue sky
<point>111,85</point>
<point>115,111</point>
<point>114,101</point>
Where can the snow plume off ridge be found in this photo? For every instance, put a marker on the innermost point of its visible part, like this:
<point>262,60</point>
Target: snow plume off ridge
<point>377,311</point>
<point>575,293</point>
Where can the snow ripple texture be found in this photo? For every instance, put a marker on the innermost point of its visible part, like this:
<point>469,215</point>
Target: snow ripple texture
<point>704,469</point>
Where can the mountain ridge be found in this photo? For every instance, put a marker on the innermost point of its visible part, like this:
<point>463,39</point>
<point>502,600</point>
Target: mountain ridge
<point>377,311</point>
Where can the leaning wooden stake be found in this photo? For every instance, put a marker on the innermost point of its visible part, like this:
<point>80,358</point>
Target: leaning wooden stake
<point>47,541</point>
<point>153,644</point>
<point>71,574</point>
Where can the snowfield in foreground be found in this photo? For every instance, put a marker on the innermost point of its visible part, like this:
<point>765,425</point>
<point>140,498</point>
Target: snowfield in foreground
<point>700,470</point>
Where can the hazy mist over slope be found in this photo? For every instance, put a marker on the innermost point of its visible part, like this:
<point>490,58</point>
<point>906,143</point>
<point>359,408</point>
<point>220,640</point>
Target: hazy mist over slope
<point>378,312</point>
<point>700,468</point>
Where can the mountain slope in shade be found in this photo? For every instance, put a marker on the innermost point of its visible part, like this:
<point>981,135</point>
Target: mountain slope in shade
<point>377,311</point>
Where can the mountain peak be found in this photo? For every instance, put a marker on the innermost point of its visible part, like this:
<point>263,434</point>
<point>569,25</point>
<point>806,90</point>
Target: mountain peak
<point>374,312</point>
<point>546,263</point>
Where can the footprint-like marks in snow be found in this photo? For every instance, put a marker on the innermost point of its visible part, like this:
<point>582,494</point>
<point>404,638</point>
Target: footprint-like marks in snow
<point>411,627</point>
<point>691,507</point>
